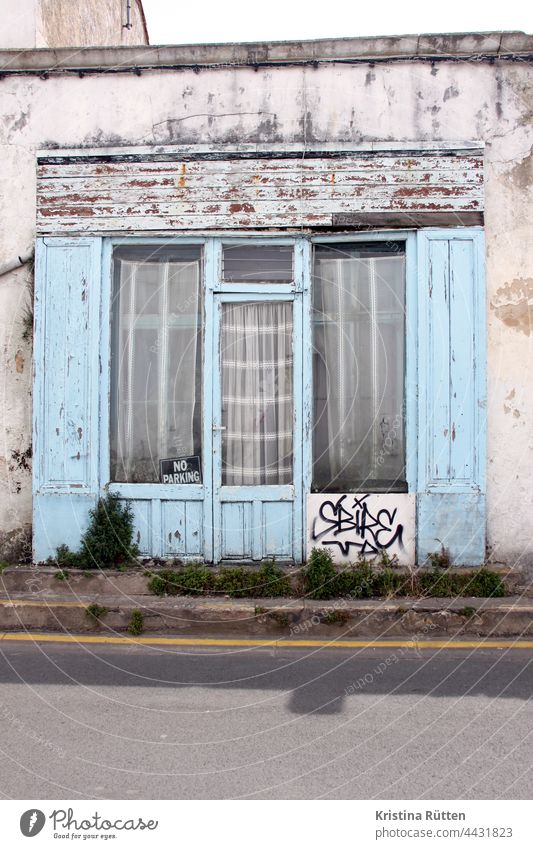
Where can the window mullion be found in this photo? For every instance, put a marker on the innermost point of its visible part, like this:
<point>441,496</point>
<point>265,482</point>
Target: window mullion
<point>163,363</point>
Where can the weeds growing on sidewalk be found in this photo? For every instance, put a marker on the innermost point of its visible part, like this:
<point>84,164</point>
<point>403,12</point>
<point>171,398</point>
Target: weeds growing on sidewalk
<point>320,579</point>
<point>236,582</point>
<point>136,625</point>
<point>95,611</point>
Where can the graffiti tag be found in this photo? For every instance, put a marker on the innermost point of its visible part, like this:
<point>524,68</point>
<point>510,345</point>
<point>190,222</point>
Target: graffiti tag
<point>350,523</point>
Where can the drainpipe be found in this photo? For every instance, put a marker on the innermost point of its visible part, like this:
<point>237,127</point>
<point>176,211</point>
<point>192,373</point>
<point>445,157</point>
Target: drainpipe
<point>128,24</point>
<point>8,267</point>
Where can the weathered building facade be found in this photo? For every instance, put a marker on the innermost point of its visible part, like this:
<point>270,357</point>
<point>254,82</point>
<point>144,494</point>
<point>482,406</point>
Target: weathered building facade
<point>282,296</point>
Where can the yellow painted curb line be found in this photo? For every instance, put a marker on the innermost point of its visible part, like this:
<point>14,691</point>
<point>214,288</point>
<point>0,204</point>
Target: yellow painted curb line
<point>243,643</point>
<point>21,602</point>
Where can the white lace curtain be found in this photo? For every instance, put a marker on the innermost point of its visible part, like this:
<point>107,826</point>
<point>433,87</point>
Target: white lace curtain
<point>157,383</point>
<point>257,393</point>
<point>358,372</point>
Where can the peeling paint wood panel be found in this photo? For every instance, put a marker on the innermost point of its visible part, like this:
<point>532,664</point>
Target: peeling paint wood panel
<point>264,192</point>
<point>182,528</point>
<point>463,365</point>
<point>68,365</point>
<point>452,395</point>
<point>142,524</point>
<point>187,167</point>
<point>277,530</point>
<point>455,522</point>
<point>59,519</point>
<point>438,362</point>
<point>237,529</point>
<point>449,333</point>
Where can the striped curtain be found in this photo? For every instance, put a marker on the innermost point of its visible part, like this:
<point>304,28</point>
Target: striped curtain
<point>257,393</point>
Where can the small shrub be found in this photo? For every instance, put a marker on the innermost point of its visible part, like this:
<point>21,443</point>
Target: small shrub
<point>236,582</point>
<point>388,562</point>
<point>387,582</point>
<point>271,581</point>
<point>108,540</point>
<point>195,579</point>
<point>158,584</point>
<point>61,575</point>
<point>260,611</point>
<point>136,625</point>
<point>438,584</point>
<point>440,559</point>
<point>354,582</point>
<point>3,565</point>
<point>95,611</point>
<point>480,583</point>
<point>484,583</point>
<point>467,612</point>
<point>67,559</point>
<point>319,574</point>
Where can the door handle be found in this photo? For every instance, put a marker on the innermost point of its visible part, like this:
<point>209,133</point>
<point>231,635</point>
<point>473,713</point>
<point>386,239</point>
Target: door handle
<point>219,427</point>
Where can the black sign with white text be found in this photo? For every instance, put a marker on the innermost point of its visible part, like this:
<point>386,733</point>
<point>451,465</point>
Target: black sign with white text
<point>181,470</point>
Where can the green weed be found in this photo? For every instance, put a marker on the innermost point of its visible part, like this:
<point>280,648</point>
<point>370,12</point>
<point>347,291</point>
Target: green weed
<point>136,625</point>
<point>94,611</point>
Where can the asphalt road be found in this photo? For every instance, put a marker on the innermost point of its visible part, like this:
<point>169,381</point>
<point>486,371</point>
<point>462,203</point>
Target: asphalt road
<point>82,721</point>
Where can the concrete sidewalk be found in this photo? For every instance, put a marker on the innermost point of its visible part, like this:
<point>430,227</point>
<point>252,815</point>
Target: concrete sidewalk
<point>36,600</point>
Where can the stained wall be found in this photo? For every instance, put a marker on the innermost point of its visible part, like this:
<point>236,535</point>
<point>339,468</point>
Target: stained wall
<point>416,101</point>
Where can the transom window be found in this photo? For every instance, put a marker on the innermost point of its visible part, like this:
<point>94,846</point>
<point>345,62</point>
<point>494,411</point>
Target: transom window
<point>257,263</point>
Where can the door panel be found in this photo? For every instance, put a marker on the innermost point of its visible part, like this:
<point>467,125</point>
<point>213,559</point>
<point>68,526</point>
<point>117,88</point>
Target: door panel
<point>182,528</point>
<point>256,410</point>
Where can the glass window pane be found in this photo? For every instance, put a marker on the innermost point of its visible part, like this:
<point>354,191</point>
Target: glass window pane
<point>156,378</point>
<point>257,400</point>
<point>257,264</point>
<point>358,368</point>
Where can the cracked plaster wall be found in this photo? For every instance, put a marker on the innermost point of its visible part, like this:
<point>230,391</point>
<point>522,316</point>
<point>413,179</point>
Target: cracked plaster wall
<point>403,101</point>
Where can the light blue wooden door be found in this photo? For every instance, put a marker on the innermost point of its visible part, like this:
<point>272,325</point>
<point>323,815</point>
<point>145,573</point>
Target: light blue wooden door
<point>451,509</point>
<point>257,427</point>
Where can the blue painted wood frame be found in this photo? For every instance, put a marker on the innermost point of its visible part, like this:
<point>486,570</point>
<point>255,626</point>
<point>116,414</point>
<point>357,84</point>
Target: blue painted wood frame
<point>163,514</point>
<point>65,390</point>
<point>252,510</point>
<point>411,346</point>
<point>452,395</point>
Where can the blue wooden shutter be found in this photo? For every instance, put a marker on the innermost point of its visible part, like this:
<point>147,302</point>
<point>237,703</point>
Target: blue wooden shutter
<point>66,372</point>
<point>452,395</point>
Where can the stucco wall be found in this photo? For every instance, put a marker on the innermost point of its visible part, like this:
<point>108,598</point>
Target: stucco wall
<point>18,23</point>
<point>414,101</point>
<point>65,23</point>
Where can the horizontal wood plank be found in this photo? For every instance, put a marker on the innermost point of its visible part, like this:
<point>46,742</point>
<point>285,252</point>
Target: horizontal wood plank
<point>209,194</point>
